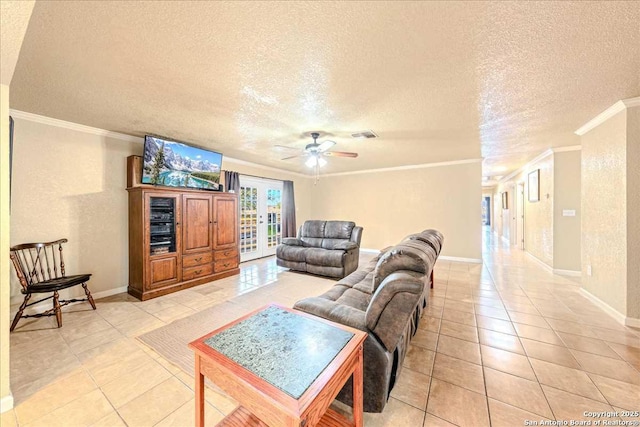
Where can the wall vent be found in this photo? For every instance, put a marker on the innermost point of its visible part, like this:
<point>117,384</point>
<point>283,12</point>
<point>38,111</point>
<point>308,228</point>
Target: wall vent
<point>368,134</point>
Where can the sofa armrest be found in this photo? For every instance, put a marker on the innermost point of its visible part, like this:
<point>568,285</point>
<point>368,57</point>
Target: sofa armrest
<point>392,306</point>
<point>292,241</point>
<point>345,245</point>
<point>333,311</point>
<point>356,235</point>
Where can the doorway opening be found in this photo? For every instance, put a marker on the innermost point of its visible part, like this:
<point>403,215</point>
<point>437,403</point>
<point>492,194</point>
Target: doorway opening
<point>486,210</point>
<point>260,217</point>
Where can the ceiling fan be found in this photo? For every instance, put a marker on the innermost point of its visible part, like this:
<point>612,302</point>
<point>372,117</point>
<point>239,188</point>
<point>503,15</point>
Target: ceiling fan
<point>316,151</point>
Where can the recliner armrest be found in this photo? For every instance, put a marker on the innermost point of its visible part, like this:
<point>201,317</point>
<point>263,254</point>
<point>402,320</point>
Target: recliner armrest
<point>392,306</point>
<point>345,245</point>
<point>292,241</point>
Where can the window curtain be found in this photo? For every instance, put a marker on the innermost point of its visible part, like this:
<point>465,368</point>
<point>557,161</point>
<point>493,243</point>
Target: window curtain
<point>232,181</point>
<point>288,210</point>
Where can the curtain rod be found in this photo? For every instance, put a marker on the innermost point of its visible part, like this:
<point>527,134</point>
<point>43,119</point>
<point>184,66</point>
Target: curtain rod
<point>256,176</point>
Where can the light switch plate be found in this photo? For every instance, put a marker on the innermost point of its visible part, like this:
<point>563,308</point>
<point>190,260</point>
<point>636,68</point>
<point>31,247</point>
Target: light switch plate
<point>568,212</point>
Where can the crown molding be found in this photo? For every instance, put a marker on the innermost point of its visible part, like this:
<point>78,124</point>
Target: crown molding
<point>17,114</point>
<point>567,149</point>
<point>608,113</point>
<point>401,168</point>
<point>36,118</point>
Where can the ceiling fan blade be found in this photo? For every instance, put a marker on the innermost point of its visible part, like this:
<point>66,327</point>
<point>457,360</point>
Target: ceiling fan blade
<point>297,155</point>
<point>284,147</point>
<point>325,146</point>
<point>340,154</point>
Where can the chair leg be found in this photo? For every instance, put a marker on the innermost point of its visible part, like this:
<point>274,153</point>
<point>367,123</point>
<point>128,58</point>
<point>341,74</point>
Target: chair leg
<point>431,279</point>
<point>89,297</point>
<point>19,313</point>
<point>56,308</point>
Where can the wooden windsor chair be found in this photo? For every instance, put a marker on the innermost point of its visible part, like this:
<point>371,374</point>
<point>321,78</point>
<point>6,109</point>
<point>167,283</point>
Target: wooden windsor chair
<point>40,271</point>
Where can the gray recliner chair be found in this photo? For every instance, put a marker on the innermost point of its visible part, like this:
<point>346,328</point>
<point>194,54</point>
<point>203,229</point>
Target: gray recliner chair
<point>326,248</point>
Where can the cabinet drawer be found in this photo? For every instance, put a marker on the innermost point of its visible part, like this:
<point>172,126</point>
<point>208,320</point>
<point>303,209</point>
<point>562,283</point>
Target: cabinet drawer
<point>226,253</point>
<point>197,259</point>
<point>199,271</point>
<point>225,264</point>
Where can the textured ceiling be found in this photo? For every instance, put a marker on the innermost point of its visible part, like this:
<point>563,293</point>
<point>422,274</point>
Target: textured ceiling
<point>14,16</point>
<point>436,81</point>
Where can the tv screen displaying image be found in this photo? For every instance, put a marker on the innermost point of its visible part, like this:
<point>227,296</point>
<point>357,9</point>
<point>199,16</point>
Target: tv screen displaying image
<point>175,164</point>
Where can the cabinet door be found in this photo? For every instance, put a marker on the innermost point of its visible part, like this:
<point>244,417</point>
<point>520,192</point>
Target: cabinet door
<point>196,223</point>
<point>225,213</point>
<point>163,272</point>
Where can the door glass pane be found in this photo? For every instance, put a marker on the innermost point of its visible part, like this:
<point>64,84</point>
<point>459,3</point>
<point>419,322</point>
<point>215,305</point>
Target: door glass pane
<point>274,210</point>
<point>248,219</point>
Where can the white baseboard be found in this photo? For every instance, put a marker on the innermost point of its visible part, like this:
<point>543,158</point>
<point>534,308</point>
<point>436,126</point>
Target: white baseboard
<point>603,305</point>
<point>632,321</point>
<point>370,251</point>
<point>6,403</point>
<point>571,273</point>
<point>45,305</point>
<point>459,259</point>
<point>109,292</point>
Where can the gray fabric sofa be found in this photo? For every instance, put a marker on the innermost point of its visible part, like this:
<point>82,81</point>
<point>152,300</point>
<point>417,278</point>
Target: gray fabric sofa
<point>326,248</point>
<point>385,298</point>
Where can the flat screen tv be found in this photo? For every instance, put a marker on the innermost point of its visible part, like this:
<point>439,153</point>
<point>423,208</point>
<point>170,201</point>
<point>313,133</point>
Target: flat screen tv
<point>175,164</point>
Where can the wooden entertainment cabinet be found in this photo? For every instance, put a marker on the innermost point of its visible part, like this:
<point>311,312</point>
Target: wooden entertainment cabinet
<point>178,237</point>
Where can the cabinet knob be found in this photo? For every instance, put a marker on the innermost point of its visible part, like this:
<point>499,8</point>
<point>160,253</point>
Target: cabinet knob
<point>198,259</point>
<point>198,271</point>
<point>226,264</point>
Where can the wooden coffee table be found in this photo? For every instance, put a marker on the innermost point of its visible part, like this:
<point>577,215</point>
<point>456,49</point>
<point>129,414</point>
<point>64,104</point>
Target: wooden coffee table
<point>283,366</point>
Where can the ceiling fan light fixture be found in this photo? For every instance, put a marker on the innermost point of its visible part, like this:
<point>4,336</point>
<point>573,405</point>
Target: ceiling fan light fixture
<point>314,161</point>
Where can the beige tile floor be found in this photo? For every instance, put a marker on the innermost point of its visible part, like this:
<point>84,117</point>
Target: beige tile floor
<point>500,343</point>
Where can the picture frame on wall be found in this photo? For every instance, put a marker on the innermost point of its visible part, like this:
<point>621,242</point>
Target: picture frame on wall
<point>534,186</point>
<point>505,200</point>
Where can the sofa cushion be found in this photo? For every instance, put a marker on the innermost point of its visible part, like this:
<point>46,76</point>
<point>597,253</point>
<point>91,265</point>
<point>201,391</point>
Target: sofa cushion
<point>292,253</point>
<point>336,244</point>
<point>311,242</point>
<point>338,229</point>
<point>292,241</point>
<point>324,257</point>
<point>313,228</point>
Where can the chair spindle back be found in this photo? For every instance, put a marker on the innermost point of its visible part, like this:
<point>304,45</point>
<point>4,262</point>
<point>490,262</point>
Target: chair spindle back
<point>37,262</point>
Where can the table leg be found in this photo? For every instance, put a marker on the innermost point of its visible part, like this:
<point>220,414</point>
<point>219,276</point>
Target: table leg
<point>358,393</point>
<point>199,394</point>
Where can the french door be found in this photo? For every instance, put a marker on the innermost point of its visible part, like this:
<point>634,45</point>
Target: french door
<point>260,217</point>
